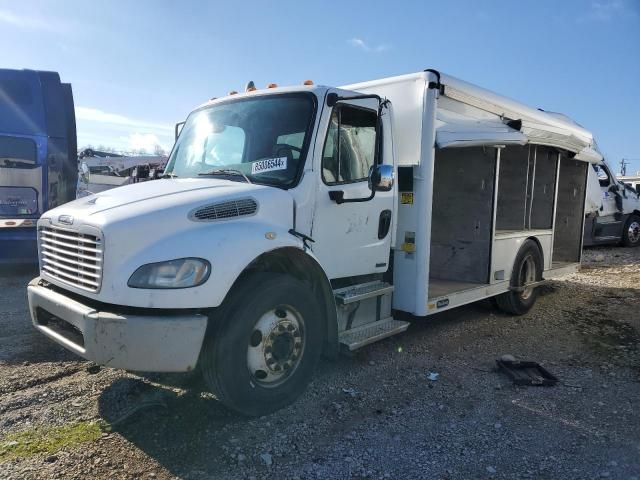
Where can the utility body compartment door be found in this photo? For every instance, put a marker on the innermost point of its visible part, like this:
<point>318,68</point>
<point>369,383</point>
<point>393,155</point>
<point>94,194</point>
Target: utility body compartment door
<point>352,238</point>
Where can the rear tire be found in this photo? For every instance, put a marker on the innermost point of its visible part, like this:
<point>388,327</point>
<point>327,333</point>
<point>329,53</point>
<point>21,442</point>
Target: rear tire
<point>527,268</point>
<point>631,232</point>
<point>263,344</point>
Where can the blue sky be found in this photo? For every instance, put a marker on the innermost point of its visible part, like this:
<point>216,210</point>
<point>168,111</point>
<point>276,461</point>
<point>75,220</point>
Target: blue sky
<point>137,67</point>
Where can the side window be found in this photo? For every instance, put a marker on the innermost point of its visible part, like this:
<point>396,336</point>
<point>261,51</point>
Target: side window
<point>349,150</point>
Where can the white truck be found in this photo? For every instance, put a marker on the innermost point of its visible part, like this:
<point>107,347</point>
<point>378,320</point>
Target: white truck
<point>612,209</point>
<point>300,220</point>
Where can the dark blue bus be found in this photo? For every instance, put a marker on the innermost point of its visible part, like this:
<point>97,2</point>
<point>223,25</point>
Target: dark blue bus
<point>38,156</point>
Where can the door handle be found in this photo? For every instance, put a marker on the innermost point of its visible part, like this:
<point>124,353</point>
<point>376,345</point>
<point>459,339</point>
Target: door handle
<point>384,224</point>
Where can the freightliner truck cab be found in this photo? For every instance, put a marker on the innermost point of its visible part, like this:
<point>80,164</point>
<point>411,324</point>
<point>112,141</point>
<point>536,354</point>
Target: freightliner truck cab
<point>296,221</point>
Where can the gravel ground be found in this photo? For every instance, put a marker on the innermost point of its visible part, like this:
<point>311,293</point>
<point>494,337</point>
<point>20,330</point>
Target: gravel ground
<point>371,415</point>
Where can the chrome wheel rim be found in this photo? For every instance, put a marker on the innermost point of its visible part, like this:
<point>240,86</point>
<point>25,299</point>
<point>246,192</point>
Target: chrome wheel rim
<point>276,346</point>
<point>633,233</point>
<point>527,276</point>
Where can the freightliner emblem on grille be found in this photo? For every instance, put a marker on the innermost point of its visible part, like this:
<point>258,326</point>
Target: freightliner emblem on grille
<point>66,219</point>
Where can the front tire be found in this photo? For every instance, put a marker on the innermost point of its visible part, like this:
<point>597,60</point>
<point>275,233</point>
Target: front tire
<point>631,232</point>
<point>527,268</point>
<point>264,344</point>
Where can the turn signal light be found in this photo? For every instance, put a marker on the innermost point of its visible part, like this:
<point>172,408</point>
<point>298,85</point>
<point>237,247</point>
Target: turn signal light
<point>308,82</point>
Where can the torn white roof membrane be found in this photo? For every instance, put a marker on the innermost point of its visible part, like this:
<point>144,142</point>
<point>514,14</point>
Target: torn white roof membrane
<point>456,130</point>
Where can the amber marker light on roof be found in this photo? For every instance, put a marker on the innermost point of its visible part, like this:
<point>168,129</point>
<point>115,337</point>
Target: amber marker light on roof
<point>272,85</point>
<point>233,92</point>
<point>308,82</point>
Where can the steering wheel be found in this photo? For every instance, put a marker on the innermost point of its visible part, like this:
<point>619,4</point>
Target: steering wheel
<point>281,146</point>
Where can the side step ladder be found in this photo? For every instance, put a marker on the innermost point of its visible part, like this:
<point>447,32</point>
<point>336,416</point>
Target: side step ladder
<point>371,293</point>
<point>371,332</point>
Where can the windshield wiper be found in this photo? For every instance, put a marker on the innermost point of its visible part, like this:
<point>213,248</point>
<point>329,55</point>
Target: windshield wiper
<point>225,171</point>
<point>169,175</point>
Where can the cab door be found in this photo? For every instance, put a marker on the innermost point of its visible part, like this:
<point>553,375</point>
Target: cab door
<point>608,208</point>
<point>609,222</point>
<point>354,237</point>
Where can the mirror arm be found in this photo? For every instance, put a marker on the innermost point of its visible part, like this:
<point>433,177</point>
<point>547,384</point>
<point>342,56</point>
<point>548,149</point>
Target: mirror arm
<point>338,197</point>
<point>333,98</point>
<point>176,129</point>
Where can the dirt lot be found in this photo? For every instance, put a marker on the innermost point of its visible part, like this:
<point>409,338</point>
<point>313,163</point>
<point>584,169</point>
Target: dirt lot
<point>372,415</point>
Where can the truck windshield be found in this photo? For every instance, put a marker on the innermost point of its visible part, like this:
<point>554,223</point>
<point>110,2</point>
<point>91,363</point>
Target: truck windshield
<point>265,138</point>
<point>17,152</point>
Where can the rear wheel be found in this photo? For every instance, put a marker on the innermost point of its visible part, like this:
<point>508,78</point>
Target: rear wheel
<point>631,233</point>
<point>265,342</point>
<point>527,269</point>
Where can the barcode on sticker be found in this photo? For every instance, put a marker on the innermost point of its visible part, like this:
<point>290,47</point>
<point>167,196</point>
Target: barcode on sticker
<point>269,165</point>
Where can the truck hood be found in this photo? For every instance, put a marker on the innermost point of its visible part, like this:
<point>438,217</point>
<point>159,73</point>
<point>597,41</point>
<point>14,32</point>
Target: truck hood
<point>166,200</point>
<point>159,191</point>
<point>157,221</point>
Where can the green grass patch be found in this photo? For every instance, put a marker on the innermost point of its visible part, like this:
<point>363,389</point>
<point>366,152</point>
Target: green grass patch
<point>47,439</point>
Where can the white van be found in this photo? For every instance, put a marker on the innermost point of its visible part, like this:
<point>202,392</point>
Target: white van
<point>300,220</point>
<point>612,209</point>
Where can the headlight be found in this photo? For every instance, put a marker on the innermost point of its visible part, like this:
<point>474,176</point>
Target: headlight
<point>180,273</point>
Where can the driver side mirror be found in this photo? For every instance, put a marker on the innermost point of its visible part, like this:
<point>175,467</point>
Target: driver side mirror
<point>178,129</point>
<point>381,178</point>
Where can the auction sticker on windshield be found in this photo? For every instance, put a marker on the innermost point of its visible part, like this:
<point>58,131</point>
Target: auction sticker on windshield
<point>269,165</point>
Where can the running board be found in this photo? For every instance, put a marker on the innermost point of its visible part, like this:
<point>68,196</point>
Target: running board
<point>363,291</point>
<point>608,238</point>
<point>371,332</point>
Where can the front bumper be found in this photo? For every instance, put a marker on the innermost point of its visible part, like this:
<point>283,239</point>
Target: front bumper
<point>149,343</point>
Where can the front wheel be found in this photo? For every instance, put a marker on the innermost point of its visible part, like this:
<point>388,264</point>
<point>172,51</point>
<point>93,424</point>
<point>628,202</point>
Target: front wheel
<point>527,269</point>
<point>631,232</point>
<point>264,344</point>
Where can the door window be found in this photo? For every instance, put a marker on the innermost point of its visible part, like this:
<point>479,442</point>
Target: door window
<point>349,150</point>
<point>603,175</point>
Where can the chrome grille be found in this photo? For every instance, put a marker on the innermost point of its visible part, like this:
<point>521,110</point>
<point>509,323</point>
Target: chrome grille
<point>220,211</point>
<point>72,257</point>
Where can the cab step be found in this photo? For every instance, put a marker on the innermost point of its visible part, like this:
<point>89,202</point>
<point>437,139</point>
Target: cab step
<point>371,332</point>
<point>362,291</point>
